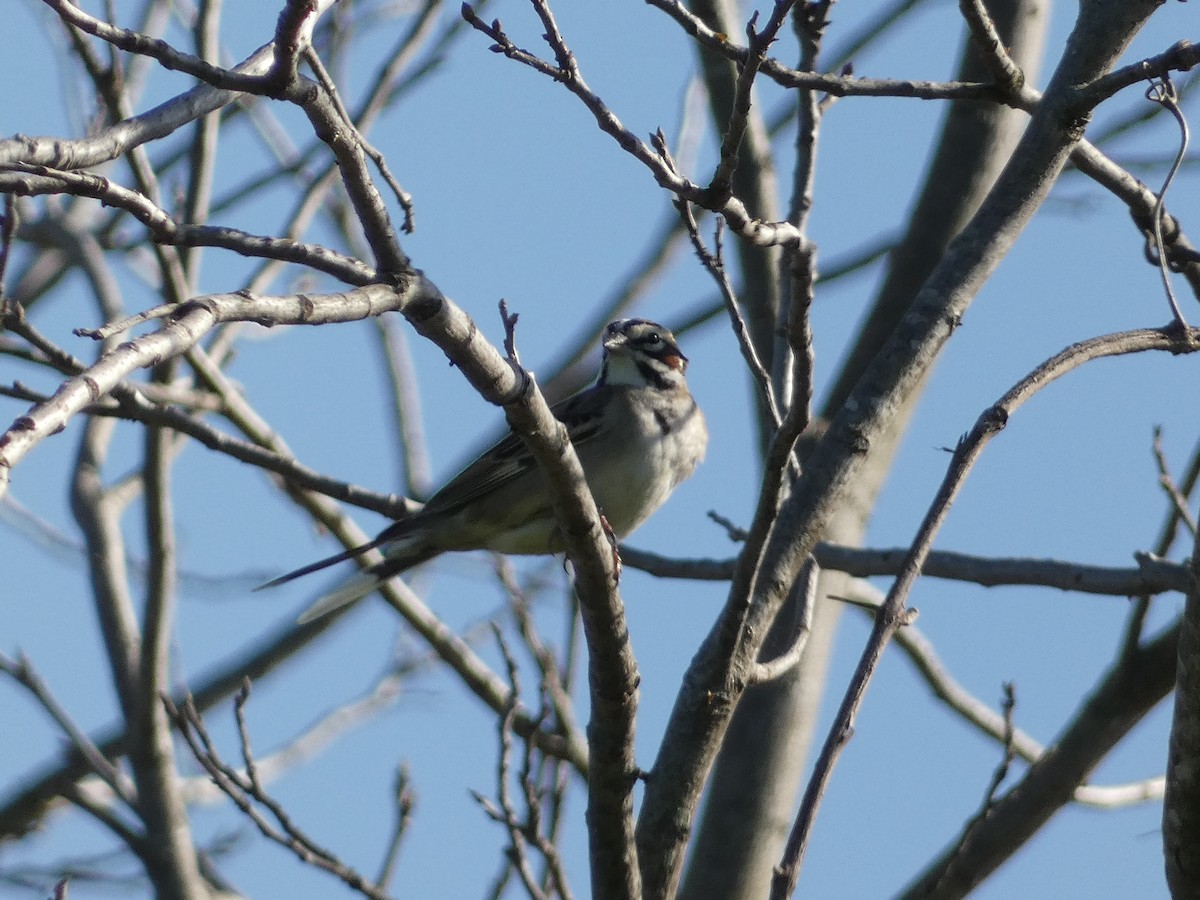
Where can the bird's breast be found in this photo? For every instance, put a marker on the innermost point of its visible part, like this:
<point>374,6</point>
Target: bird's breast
<point>633,474</point>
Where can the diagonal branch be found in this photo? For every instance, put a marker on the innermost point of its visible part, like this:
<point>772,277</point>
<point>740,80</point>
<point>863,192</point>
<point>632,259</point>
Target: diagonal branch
<point>892,614</point>
<point>191,321</point>
<point>756,231</point>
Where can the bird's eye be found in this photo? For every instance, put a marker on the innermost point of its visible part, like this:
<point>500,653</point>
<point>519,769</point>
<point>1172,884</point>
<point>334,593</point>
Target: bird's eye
<point>653,339</point>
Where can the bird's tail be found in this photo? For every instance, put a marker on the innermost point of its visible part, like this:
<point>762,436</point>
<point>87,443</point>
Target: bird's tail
<point>320,564</point>
<point>353,589</point>
<point>399,557</point>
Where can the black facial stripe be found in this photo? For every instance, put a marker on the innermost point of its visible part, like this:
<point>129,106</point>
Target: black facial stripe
<point>665,350</point>
<point>628,327</point>
<point>654,376</point>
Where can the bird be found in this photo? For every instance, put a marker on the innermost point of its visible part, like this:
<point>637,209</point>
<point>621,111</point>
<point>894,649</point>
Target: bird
<point>636,429</point>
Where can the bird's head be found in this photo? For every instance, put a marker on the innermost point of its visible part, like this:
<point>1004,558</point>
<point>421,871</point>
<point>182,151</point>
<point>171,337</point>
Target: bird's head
<point>638,351</point>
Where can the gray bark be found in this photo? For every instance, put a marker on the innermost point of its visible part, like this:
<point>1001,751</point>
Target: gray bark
<point>752,795</point>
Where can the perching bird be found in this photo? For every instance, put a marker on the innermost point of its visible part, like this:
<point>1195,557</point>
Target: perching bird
<point>638,434</point>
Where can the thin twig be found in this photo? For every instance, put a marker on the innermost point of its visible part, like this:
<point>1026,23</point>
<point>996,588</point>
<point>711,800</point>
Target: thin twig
<point>27,179</point>
<point>509,321</point>
<point>21,670</point>
<point>506,813</point>
<point>1004,68</point>
<point>1007,704</point>
<point>1163,93</point>
<point>738,217</point>
<point>405,801</point>
<point>757,43</point>
<point>249,796</point>
<point>551,680</point>
<point>403,197</point>
<point>735,532</point>
<point>406,403</point>
<point>1167,483</point>
<point>1162,546</point>
<point>714,263</point>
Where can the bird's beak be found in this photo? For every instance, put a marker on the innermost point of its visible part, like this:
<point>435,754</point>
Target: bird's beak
<point>614,341</point>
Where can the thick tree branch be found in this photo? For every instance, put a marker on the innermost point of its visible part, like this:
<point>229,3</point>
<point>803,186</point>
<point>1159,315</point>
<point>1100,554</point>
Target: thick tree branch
<point>1181,804</point>
<point>718,675</point>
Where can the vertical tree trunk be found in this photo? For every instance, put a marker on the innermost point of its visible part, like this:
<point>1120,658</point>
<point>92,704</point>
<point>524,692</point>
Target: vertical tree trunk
<point>1181,805</point>
<point>752,794</point>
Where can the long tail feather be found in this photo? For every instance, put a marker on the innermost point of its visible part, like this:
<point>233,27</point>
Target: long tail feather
<point>319,564</point>
<point>399,558</point>
<point>350,591</point>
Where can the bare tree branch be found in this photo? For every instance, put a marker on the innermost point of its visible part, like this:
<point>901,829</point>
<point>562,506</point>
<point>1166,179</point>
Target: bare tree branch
<point>22,671</point>
<point>1181,814</point>
<point>247,793</point>
<point>1121,698</point>
<point>892,613</point>
<point>788,660</point>
<point>1151,576</point>
<point>921,653</point>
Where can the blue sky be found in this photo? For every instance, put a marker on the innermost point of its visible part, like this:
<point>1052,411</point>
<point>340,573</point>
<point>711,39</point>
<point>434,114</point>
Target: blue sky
<point>520,196</point>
